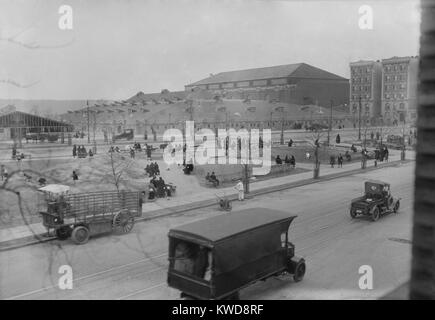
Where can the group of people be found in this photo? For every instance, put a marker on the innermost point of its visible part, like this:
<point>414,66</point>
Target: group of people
<point>80,152</point>
<point>212,178</point>
<point>158,187</point>
<point>381,154</point>
<point>152,169</point>
<point>339,161</point>
<point>287,160</point>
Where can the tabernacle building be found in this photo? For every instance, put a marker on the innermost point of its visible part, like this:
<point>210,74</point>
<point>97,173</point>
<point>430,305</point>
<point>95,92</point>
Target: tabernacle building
<point>300,84</point>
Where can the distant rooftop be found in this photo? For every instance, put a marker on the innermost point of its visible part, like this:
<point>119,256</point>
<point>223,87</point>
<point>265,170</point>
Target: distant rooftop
<point>297,70</point>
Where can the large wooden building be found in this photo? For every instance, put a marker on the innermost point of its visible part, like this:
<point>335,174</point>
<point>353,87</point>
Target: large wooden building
<point>16,124</point>
<point>299,84</point>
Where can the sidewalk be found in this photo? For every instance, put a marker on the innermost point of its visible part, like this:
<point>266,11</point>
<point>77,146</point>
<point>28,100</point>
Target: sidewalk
<point>33,233</point>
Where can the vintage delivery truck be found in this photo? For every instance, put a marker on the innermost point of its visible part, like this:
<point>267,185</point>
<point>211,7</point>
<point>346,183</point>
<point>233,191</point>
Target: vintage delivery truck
<point>217,257</point>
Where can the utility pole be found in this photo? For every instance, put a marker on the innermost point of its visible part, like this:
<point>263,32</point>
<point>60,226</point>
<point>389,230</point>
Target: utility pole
<point>402,154</point>
<point>330,124</point>
<point>282,128</point>
<point>94,129</point>
<point>359,119</point>
<point>89,136</point>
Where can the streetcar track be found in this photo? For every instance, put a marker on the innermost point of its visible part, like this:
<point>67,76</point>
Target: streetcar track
<point>92,275</point>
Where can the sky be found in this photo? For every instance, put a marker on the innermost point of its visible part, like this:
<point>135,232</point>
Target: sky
<point>118,48</point>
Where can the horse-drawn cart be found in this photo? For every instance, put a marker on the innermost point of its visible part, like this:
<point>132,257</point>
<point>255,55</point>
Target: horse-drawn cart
<point>82,215</point>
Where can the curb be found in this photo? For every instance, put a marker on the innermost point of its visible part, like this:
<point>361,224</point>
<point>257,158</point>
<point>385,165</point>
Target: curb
<point>161,213</point>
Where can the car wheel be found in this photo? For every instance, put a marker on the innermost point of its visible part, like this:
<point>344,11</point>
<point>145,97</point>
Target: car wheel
<point>299,271</point>
<point>80,235</point>
<point>397,206</point>
<point>375,214</point>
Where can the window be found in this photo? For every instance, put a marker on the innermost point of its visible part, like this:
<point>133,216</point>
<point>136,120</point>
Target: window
<point>278,81</point>
<point>213,86</point>
<point>243,84</point>
<point>228,85</point>
<point>259,83</point>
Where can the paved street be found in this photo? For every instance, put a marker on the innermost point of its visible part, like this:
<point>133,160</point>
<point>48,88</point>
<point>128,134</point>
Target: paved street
<point>134,266</point>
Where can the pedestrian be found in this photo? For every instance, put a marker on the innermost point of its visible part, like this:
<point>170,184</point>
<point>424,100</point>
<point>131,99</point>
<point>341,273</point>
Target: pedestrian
<point>74,151</point>
<point>239,187</point>
<point>340,160</point>
<point>386,154</point>
<point>332,161</point>
<point>91,154</point>
<point>372,135</point>
<point>278,160</point>
<point>338,139</point>
<point>290,143</point>
<point>293,161</point>
<point>75,177</point>
<point>3,172</point>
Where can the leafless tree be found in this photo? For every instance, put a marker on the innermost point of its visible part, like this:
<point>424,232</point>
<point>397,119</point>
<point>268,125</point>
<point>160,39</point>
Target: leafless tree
<point>119,165</point>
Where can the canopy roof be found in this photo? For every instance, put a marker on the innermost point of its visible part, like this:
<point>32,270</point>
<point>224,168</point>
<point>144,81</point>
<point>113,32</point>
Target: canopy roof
<point>223,226</point>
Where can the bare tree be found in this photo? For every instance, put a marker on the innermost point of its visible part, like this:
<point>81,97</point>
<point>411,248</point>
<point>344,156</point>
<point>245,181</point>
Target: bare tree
<point>119,165</point>
<point>314,142</point>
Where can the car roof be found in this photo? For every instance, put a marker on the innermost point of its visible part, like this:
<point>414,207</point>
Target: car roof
<point>226,225</point>
<point>377,182</point>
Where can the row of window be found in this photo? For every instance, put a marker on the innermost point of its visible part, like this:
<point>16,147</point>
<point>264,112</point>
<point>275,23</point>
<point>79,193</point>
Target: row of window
<point>360,70</point>
<point>394,96</point>
<point>392,87</point>
<point>361,88</point>
<point>361,80</point>
<point>363,97</point>
<point>395,67</point>
<point>397,77</point>
<point>244,84</point>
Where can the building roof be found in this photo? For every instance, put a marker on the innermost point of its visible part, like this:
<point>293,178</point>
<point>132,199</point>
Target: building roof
<point>22,119</point>
<point>223,226</point>
<point>297,70</point>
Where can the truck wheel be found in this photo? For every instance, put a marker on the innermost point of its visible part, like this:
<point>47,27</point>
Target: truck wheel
<point>123,222</point>
<point>63,233</point>
<point>352,213</point>
<point>299,271</point>
<point>80,235</point>
<point>396,206</point>
<point>375,214</point>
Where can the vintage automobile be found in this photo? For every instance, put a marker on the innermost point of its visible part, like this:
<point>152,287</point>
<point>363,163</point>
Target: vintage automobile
<point>82,215</point>
<point>128,134</point>
<point>376,201</point>
<point>216,257</point>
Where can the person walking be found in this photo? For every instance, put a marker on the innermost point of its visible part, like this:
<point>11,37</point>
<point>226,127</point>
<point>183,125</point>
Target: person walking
<point>74,151</point>
<point>332,161</point>
<point>75,177</point>
<point>340,161</point>
<point>338,139</point>
<point>239,187</point>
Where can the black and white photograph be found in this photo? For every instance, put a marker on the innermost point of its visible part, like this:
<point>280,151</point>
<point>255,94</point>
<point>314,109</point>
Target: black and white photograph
<point>222,150</point>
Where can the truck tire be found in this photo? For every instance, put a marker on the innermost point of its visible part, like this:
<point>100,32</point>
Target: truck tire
<point>63,233</point>
<point>299,271</point>
<point>80,235</point>
<point>352,214</point>
<point>375,214</point>
<point>396,206</point>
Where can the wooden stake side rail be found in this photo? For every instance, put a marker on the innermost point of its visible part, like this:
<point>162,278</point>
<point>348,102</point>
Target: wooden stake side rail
<point>83,206</point>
